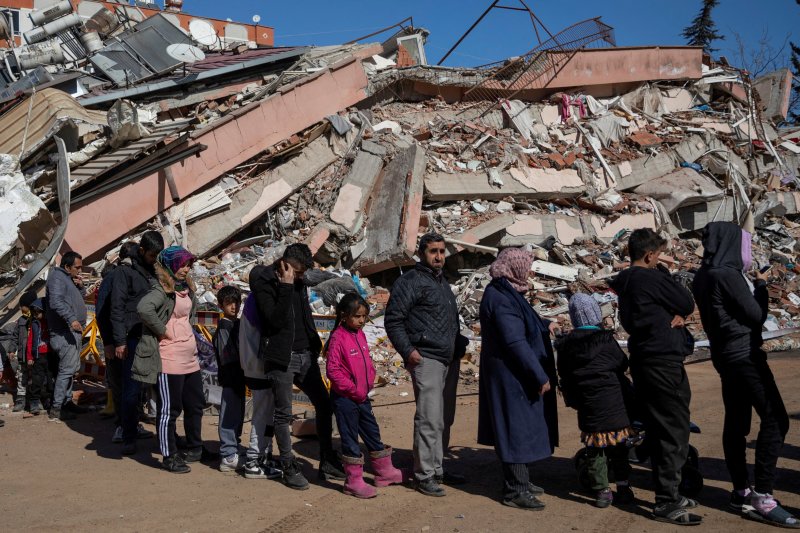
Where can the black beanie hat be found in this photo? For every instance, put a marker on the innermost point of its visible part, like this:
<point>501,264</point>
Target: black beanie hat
<point>27,298</point>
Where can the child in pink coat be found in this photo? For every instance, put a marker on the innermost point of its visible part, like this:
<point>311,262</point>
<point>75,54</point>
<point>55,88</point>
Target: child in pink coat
<point>352,375</point>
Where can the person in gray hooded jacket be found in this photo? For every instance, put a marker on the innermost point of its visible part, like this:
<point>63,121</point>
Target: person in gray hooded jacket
<point>66,317</point>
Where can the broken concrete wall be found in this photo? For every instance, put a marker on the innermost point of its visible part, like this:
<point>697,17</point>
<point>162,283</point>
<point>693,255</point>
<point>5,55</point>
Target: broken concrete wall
<point>775,90</point>
<point>394,212</point>
<point>348,211</point>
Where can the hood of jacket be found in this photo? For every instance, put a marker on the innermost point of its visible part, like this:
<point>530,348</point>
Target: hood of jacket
<point>722,245</point>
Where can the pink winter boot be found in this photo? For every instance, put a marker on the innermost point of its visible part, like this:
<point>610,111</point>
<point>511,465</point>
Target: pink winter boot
<point>385,472</point>
<point>355,485</point>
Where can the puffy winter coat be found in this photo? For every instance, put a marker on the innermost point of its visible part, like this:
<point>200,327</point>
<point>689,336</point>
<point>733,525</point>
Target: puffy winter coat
<point>591,368</point>
<point>349,365</point>
<point>422,315</point>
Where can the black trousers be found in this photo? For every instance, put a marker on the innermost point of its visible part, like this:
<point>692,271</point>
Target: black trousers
<point>304,372</point>
<point>663,393</point>
<point>176,393</point>
<point>746,385</point>
<point>38,373</point>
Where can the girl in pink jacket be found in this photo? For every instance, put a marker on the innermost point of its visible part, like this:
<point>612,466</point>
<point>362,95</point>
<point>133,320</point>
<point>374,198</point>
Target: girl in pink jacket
<point>352,374</point>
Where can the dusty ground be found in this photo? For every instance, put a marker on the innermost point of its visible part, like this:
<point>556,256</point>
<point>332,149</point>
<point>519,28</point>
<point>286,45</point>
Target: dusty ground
<point>70,477</point>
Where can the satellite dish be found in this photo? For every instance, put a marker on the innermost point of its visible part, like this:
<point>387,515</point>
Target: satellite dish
<point>256,19</point>
<point>203,32</point>
<point>185,53</point>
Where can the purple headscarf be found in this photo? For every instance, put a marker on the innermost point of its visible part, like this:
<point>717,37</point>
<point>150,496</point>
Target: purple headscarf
<point>747,250</point>
<point>173,259</point>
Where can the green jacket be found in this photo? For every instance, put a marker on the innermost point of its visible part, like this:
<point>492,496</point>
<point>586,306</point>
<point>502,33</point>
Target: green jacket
<point>155,308</point>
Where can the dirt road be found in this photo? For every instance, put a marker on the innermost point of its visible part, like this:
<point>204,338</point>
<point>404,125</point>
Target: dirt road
<point>57,476</point>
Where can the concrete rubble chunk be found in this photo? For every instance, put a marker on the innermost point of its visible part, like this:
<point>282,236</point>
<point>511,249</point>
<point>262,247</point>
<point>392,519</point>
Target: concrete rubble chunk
<point>682,187</point>
<point>394,213</point>
<point>355,190</point>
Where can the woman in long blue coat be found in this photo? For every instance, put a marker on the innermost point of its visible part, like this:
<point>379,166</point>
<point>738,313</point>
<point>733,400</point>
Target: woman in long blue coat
<point>517,403</point>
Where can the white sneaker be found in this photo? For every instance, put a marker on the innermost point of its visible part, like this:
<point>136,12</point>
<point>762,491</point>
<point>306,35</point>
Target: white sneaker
<point>230,463</point>
<point>117,438</point>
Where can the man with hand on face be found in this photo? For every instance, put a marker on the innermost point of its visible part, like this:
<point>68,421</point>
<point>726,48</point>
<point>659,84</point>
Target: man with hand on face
<point>422,323</point>
<point>66,316</point>
<point>290,346</point>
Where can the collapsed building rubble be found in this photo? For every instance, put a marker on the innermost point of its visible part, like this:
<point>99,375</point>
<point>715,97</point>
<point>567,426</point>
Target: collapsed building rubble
<point>358,149</point>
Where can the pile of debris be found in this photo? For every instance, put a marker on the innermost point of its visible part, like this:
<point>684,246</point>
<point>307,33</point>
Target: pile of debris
<point>358,149</point>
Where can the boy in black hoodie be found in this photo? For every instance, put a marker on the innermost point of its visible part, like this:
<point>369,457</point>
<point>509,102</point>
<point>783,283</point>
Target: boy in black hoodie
<point>733,310</point>
<point>652,308</point>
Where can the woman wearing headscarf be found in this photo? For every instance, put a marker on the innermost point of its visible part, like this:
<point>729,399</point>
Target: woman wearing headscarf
<point>168,352</point>
<point>733,310</point>
<point>517,402</point>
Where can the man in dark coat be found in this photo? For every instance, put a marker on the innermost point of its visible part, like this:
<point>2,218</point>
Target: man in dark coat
<point>517,404</point>
<point>733,311</point>
<point>652,308</point>
<point>422,322</point>
<point>290,346</point>
<point>132,279</point>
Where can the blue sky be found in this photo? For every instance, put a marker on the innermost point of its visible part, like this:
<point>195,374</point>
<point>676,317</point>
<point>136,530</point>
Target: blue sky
<point>506,33</point>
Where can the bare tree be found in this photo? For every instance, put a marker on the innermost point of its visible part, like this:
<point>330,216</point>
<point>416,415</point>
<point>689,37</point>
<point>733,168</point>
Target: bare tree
<point>763,57</point>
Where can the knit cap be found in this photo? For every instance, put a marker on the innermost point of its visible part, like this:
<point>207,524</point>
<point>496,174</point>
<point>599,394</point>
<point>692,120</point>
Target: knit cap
<point>584,311</point>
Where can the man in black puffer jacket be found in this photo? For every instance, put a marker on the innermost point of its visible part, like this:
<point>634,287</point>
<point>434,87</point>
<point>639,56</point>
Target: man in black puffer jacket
<point>733,311</point>
<point>422,322</point>
<point>290,346</point>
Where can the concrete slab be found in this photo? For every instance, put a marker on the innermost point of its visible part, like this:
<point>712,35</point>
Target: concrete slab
<point>356,188</point>
<point>394,212</point>
<point>532,183</point>
<point>681,187</point>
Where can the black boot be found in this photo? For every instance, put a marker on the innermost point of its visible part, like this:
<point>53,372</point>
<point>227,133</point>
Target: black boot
<point>330,467</point>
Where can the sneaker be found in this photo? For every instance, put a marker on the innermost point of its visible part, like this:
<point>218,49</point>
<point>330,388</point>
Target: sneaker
<point>293,477</point>
<point>129,448</point>
<point>524,500</point>
<point>199,454</point>
<point>533,489</point>
<point>603,498</point>
<point>230,463</point>
<point>624,495</point>
<point>19,405</point>
<point>117,438</point>
<point>259,469</point>
<point>175,464</point>
<point>37,408</point>
<point>72,407</point>
<point>58,415</point>
<point>430,487</point>
<point>142,433</point>
<point>738,501</point>
<point>451,478</point>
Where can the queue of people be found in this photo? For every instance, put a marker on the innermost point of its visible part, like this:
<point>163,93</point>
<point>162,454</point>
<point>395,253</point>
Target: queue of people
<point>268,344</point>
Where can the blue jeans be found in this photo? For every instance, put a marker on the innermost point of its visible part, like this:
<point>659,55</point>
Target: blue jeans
<point>231,418</point>
<point>356,419</point>
<point>131,392</point>
<point>67,347</point>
